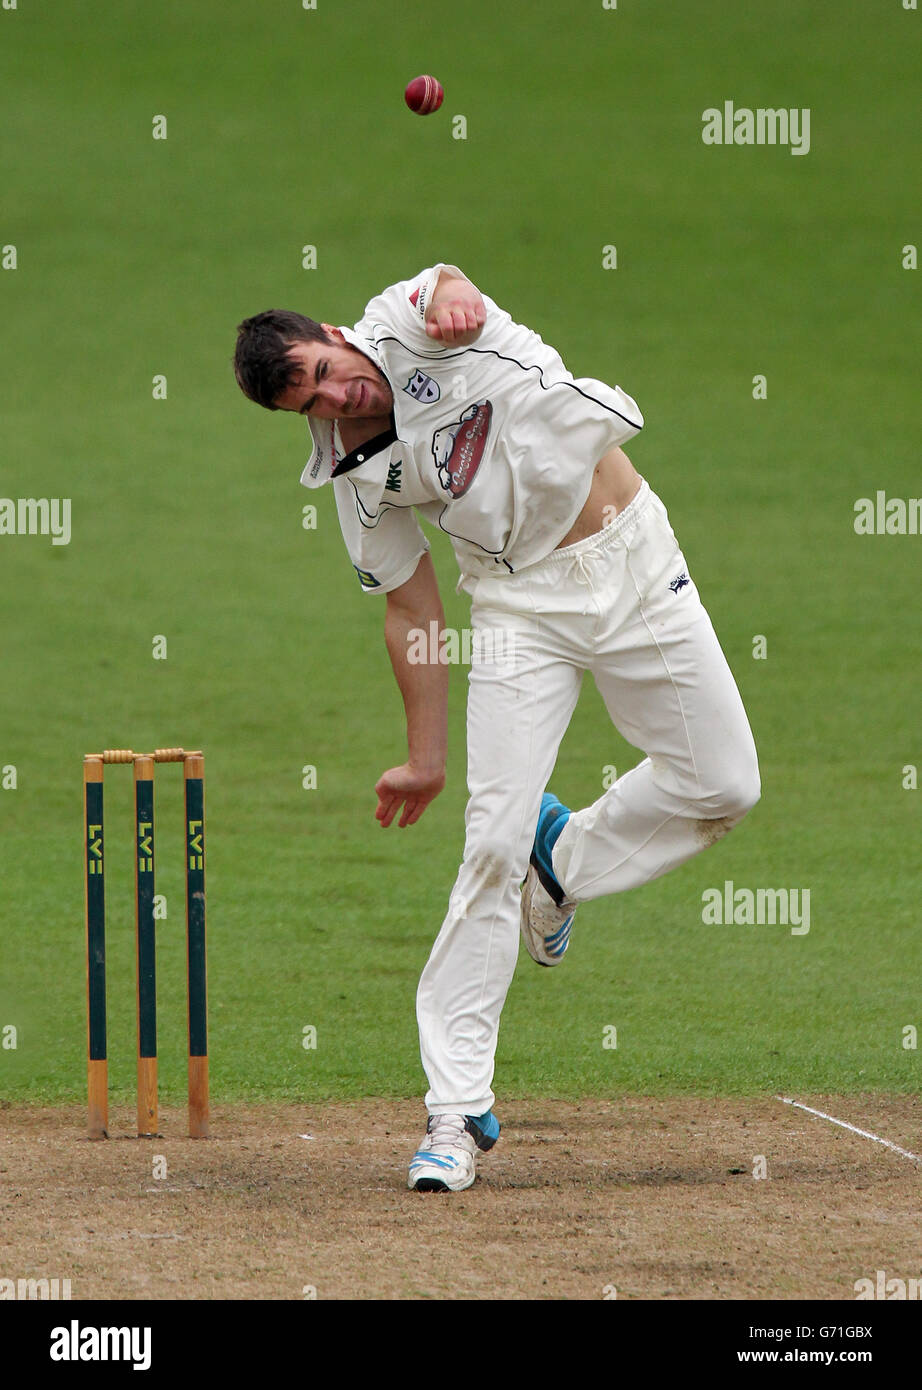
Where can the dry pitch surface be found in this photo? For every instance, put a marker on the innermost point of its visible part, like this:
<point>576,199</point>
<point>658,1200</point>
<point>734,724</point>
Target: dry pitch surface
<point>655,1199</point>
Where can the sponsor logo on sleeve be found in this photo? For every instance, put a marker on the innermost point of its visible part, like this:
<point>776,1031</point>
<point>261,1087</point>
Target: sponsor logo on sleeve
<point>393,476</point>
<point>458,448</point>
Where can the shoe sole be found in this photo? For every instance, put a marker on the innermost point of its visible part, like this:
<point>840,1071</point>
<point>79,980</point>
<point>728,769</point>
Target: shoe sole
<point>433,1184</point>
<point>437,1185</point>
<point>535,944</point>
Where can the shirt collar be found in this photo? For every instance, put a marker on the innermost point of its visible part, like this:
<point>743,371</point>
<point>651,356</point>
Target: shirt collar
<point>324,463</point>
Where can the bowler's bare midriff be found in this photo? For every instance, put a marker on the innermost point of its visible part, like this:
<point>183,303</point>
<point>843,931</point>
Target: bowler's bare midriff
<point>615,483</point>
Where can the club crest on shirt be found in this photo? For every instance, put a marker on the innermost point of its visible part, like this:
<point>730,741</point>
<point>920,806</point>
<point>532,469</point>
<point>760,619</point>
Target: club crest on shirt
<point>458,448</point>
<point>422,388</point>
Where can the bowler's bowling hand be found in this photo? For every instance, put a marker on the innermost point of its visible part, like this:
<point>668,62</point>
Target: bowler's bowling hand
<point>409,787</point>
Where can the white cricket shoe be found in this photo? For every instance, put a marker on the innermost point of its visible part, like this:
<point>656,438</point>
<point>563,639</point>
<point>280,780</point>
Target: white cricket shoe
<point>545,925</point>
<point>444,1162</point>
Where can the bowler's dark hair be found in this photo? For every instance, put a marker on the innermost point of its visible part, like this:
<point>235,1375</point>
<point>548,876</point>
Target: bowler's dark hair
<point>262,366</point>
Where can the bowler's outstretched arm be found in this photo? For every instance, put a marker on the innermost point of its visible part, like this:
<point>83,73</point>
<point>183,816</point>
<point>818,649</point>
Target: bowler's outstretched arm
<point>424,687</point>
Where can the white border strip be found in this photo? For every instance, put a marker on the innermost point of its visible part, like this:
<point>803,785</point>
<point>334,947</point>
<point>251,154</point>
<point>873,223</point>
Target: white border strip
<point>865,1134</point>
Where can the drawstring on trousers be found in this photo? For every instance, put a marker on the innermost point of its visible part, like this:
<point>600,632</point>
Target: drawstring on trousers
<point>582,573</point>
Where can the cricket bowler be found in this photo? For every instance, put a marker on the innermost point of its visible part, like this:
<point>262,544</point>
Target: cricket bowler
<point>437,404</point>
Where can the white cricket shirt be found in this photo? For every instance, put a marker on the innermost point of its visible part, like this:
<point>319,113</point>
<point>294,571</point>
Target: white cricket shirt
<point>495,444</point>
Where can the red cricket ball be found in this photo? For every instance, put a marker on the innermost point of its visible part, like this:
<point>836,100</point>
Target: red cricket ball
<point>424,95</point>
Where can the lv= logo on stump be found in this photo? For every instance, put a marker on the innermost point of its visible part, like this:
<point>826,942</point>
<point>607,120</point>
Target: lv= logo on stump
<point>97,1055</point>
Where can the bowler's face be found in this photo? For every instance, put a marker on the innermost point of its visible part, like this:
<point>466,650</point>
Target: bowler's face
<point>336,382</point>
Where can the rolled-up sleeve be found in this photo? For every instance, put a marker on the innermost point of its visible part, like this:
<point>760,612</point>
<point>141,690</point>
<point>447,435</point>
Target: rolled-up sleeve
<point>385,548</point>
<point>402,307</point>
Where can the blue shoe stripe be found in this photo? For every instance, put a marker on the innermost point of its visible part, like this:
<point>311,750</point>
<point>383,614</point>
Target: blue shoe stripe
<point>439,1160</point>
<point>559,934</point>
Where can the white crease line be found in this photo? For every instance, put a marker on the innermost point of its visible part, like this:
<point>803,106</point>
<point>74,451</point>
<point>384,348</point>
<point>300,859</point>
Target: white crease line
<point>865,1133</point>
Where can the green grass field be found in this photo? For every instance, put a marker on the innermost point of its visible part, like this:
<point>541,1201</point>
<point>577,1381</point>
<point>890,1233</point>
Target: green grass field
<point>137,258</point>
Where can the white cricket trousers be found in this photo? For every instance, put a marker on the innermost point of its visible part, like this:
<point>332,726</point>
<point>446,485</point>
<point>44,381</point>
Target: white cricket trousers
<point>622,605</point>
